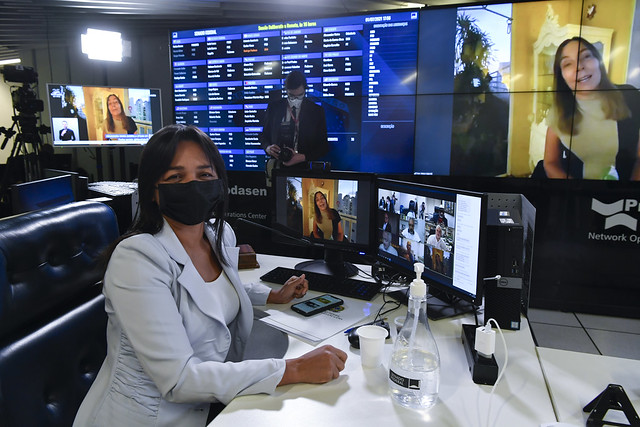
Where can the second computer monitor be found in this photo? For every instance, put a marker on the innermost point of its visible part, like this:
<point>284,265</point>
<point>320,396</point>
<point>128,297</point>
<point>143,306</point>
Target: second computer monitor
<point>439,227</point>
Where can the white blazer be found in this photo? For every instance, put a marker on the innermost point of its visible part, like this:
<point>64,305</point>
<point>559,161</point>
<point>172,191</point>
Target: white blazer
<point>170,352</point>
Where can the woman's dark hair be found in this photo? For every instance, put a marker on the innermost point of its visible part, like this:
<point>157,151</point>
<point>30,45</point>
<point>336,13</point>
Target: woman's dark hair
<point>568,116</point>
<point>317,209</point>
<point>111,126</point>
<point>155,160</point>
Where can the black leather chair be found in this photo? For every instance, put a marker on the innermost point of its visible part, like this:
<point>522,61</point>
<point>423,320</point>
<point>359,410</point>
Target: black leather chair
<point>52,319</point>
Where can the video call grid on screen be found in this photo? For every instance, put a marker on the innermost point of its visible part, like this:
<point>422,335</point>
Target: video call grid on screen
<point>437,227</point>
<point>348,194</point>
<point>79,113</point>
<point>361,69</point>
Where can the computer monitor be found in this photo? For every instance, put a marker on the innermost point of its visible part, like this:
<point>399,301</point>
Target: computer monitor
<point>79,183</point>
<point>84,115</point>
<point>328,209</point>
<point>40,194</point>
<point>443,228</point>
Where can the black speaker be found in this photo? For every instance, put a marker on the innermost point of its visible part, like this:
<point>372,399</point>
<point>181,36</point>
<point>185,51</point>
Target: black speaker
<point>510,231</point>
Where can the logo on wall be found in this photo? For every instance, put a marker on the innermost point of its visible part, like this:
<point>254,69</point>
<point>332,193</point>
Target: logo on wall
<point>248,197</point>
<point>615,220</point>
<point>613,212</point>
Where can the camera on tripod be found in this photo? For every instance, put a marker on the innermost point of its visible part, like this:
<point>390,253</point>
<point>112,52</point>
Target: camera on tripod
<point>26,103</point>
<point>286,136</point>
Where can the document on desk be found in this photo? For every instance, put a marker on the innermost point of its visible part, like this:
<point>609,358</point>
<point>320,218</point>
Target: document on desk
<point>321,326</point>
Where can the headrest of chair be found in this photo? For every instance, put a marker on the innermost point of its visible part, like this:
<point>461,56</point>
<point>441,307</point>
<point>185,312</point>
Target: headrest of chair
<point>47,256</point>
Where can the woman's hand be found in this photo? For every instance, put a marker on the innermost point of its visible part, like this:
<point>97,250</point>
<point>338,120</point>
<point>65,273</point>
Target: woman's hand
<point>316,367</point>
<point>295,287</point>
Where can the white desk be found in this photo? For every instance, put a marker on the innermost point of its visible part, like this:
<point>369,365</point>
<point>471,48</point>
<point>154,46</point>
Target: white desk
<point>359,397</point>
<point>575,379</point>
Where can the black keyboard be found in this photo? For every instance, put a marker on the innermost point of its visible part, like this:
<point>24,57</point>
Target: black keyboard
<point>318,282</point>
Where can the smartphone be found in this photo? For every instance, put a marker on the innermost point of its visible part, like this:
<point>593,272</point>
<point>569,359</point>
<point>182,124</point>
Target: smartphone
<point>316,305</point>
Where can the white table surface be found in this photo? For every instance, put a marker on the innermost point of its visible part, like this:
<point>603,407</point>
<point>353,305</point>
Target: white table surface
<point>575,379</point>
<point>359,397</point>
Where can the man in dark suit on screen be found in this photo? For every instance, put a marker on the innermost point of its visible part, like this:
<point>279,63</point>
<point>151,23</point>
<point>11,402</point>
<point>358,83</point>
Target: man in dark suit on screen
<point>66,134</point>
<point>294,128</point>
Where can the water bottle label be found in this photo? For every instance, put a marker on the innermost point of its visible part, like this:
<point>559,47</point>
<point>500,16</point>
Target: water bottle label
<point>410,383</point>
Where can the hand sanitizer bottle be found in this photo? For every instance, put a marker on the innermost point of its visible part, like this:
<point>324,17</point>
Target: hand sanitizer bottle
<point>414,369</point>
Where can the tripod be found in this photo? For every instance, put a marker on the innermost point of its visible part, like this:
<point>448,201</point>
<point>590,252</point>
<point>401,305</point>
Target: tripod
<point>27,133</point>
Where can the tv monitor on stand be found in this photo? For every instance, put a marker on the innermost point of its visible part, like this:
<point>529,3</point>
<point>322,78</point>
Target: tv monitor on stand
<point>443,228</point>
<point>327,209</point>
<point>103,116</point>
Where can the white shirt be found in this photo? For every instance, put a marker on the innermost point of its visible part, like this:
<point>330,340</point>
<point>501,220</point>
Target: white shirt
<point>413,237</point>
<point>391,250</point>
<point>223,291</point>
<point>438,244</point>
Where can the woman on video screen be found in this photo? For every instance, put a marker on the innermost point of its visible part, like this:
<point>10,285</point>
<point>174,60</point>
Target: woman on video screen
<point>117,122</point>
<point>594,125</point>
<point>326,221</point>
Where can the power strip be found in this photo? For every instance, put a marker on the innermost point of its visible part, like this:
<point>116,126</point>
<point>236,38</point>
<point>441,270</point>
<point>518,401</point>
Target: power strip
<point>483,370</point>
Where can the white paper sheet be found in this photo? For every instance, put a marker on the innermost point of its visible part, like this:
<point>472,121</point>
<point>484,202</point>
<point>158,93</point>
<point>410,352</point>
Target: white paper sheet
<point>321,326</point>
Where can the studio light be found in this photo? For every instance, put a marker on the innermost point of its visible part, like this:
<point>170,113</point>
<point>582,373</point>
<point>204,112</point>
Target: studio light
<point>10,61</point>
<point>102,45</point>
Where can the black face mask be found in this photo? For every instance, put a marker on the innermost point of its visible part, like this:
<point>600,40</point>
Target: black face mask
<point>190,203</point>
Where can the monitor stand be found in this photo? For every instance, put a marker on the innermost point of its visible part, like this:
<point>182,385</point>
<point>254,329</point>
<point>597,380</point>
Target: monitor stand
<point>333,264</point>
<point>436,308</point>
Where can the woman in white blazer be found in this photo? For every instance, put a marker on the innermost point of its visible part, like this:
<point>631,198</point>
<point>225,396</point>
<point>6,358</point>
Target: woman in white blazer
<point>179,316</point>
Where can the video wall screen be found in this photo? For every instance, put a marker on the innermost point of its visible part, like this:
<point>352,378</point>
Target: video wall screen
<point>542,89</point>
<point>102,116</point>
<point>361,69</point>
<point>533,89</point>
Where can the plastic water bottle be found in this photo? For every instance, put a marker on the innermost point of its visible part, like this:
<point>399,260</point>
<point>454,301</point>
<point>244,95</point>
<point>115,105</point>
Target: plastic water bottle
<point>414,369</point>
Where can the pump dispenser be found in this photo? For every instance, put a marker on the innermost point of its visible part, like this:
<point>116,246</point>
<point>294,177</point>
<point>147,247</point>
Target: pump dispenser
<point>414,369</point>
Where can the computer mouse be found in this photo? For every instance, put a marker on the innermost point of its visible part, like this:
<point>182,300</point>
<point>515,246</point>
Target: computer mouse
<point>354,339</point>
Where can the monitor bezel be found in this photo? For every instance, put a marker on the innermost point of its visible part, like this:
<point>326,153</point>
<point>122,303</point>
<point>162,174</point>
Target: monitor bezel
<point>362,177</point>
<point>21,192</point>
<point>432,280</point>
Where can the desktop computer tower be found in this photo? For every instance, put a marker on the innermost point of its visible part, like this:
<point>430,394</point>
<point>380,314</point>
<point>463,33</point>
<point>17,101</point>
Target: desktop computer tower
<point>510,232</point>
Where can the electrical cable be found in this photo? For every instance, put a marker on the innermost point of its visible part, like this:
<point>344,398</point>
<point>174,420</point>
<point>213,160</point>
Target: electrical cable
<point>506,361</point>
<point>386,301</point>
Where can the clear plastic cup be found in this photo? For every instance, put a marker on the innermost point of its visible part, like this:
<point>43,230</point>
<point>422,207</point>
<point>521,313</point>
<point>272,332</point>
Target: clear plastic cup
<point>371,345</point>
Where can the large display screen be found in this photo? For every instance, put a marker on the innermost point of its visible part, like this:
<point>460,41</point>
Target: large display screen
<point>532,89</point>
<point>361,69</point>
<point>543,89</point>
<point>98,115</point>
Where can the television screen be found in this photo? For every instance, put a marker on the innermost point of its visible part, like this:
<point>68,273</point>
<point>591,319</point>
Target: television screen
<point>501,92</point>
<point>102,116</point>
<point>361,69</point>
